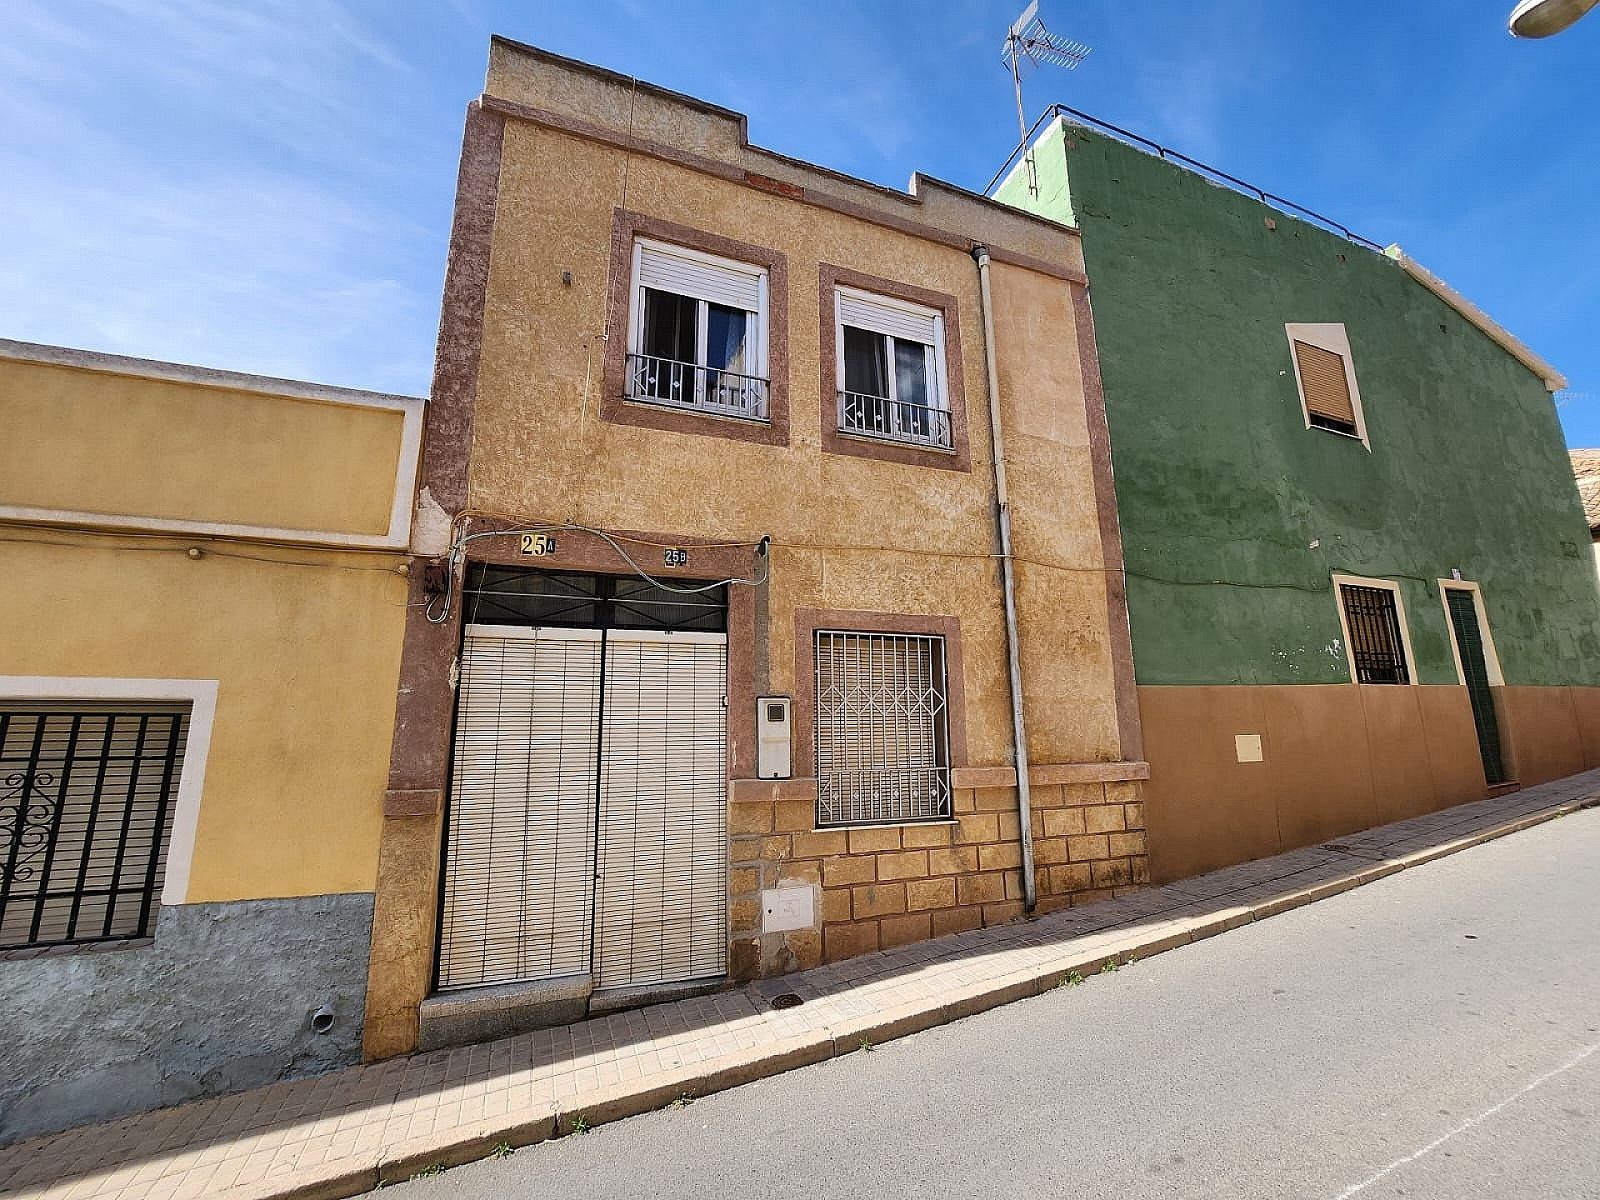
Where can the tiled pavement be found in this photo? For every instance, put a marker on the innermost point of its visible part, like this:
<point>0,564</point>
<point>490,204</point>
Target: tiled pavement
<point>340,1134</point>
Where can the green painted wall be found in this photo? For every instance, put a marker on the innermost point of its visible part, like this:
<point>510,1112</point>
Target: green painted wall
<point>1221,488</point>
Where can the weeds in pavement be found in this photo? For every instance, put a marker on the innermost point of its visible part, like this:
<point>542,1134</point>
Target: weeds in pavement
<point>683,1101</point>
<point>429,1171</point>
<point>580,1124</point>
<point>502,1150</point>
<point>1071,979</point>
<point>865,1045</point>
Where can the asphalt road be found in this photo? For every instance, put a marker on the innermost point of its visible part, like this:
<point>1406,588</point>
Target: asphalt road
<point>1435,1034</point>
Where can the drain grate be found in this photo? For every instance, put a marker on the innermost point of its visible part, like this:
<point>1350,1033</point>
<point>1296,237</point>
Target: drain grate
<point>787,1000</point>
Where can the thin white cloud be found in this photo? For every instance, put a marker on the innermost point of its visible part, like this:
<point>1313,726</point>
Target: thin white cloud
<point>206,182</point>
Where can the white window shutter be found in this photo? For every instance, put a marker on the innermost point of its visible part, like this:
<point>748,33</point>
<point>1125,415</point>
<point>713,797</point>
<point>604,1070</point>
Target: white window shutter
<point>860,312</point>
<point>700,278</point>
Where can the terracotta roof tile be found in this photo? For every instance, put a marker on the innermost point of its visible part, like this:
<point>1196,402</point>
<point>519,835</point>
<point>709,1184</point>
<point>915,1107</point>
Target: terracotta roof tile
<point>1586,467</point>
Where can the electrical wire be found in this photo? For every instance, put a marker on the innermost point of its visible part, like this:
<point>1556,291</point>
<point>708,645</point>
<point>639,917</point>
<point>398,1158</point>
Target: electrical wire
<point>458,550</point>
<point>208,549</point>
<point>490,514</point>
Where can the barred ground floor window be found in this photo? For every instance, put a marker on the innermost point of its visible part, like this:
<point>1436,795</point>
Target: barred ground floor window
<point>87,792</point>
<point>881,737</point>
<point>1377,642</point>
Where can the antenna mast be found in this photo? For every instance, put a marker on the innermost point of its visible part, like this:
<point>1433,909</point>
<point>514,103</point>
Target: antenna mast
<point>1028,44</point>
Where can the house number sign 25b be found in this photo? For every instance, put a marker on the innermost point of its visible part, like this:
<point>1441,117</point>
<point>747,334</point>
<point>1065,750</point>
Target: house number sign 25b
<point>538,543</point>
<point>675,556</point>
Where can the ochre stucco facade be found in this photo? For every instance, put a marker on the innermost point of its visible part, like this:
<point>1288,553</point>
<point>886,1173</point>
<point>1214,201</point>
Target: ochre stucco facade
<point>529,427</point>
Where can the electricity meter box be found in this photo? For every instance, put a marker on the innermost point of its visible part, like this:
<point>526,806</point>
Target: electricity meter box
<point>773,735</point>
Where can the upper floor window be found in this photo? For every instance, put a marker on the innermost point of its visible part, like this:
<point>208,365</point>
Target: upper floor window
<point>1326,377</point>
<point>891,370</point>
<point>697,332</point>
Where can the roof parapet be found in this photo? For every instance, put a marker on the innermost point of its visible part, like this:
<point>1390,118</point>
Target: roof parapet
<point>533,83</point>
<point>1554,380</point>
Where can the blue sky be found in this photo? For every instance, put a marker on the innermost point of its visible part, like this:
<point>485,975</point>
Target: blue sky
<point>266,185</point>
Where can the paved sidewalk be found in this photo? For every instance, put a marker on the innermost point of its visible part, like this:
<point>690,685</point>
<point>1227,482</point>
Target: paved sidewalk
<point>342,1133</point>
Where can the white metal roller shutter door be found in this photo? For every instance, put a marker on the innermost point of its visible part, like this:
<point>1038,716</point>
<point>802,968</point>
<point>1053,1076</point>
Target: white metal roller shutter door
<point>662,903</point>
<point>519,857</point>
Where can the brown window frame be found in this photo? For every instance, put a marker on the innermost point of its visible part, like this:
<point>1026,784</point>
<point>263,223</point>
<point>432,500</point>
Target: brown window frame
<point>809,621</point>
<point>836,441</point>
<point>618,409</point>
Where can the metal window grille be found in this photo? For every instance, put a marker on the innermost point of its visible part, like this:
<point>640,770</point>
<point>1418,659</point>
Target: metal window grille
<point>894,420</point>
<point>86,799</point>
<point>881,741</point>
<point>655,380</point>
<point>500,595</point>
<point>1373,622</point>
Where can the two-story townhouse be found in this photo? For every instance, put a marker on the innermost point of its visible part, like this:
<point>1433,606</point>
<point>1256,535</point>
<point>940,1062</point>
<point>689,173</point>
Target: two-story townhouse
<point>713,638</point>
<point>197,669</point>
<point>1355,558</point>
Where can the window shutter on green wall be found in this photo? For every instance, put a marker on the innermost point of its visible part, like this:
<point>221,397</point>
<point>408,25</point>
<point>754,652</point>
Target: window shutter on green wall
<point>1325,387</point>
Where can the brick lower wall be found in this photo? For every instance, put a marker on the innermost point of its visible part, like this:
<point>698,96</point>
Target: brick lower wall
<point>885,886</point>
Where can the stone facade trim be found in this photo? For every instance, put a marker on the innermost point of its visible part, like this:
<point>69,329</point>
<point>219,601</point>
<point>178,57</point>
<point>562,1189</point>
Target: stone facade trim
<point>405,904</point>
<point>413,802</point>
<point>1044,774</point>
<point>1119,632</point>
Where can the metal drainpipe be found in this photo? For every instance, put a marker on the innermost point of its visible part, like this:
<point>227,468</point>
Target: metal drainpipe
<point>1030,897</point>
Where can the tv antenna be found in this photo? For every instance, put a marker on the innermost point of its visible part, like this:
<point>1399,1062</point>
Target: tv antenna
<point>1029,44</point>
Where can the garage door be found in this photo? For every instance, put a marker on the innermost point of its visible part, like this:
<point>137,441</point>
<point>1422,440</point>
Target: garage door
<point>587,832</point>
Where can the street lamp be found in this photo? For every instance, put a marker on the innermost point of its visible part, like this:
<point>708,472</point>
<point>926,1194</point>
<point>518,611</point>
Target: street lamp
<point>1541,18</point>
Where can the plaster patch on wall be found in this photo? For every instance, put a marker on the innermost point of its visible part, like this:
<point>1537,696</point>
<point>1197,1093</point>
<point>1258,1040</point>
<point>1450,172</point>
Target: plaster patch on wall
<point>430,535</point>
<point>220,1001</point>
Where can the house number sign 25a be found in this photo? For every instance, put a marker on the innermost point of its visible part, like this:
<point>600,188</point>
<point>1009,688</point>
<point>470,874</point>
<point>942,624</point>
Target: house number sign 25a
<point>675,556</point>
<point>538,543</point>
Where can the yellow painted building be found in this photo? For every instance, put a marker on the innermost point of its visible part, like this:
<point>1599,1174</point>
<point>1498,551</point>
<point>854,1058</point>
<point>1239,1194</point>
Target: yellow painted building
<point>197,675</point>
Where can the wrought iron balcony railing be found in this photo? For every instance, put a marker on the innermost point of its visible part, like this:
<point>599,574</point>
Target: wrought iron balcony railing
<point>675,384</point>
<point>894,420</point>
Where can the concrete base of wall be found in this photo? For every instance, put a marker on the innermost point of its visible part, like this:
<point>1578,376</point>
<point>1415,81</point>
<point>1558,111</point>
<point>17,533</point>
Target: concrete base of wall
<point>485,1013</point>
<point>1548,732</point>
<point>1335,758</point>
<point>220,1000</point>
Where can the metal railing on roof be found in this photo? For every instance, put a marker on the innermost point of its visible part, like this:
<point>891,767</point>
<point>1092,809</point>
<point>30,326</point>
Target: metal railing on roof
<point>1194,164</point>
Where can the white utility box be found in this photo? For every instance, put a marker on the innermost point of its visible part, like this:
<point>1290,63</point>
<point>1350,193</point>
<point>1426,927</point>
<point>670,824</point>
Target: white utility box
<point>786,908</point>
<point>772,737</point>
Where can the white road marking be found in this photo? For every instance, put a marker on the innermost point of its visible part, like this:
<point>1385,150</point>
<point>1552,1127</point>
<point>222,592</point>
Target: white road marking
<point>1468,1123</point>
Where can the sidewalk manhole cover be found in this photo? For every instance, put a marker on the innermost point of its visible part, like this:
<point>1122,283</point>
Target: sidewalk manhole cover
<point>787,1000</point>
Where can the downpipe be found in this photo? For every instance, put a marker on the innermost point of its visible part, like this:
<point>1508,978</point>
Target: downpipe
<point>1019,732</point>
